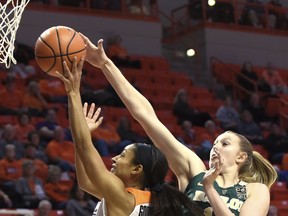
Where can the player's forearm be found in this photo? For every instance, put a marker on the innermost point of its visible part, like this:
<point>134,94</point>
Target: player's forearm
<point>80,131</point>
<point>136,103</point>
<point>85,149</point>
<point>82,177</point>
<point>219,207</point>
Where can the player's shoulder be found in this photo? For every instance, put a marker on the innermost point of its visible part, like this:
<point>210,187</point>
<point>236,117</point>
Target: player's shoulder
<point>256,187</point>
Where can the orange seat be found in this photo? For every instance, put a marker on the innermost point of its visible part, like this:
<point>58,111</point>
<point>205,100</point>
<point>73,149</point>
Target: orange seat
<point>162,79</point>
<point>62,117</point>
<point>108,162</point>
<point>159,63</point>
<point>163,102</point>
<point>285,162</point>
<point>279,186</point>
<point>35,120</point>
<point>209,105</point>
<point>223,73</point>
<point>181,80</point>
<point>165,91</point>
<point>282,206</point>
<point>273,106</point>
<point>147,89</point>
<point>3,75</point>
<point>168,118</point>
<point>175,129</point>
<point>138,129</point>
<point>114,114</point>
<point>97,81</point>
<point>170,177</point>
<point>261,150</point>
<point>39,72</point>
<point>199,92</point>
<point>279,191</point>
<point>142,78</point>
<point>283,111</point>
<point>146,63</point>
<point>7,119</point>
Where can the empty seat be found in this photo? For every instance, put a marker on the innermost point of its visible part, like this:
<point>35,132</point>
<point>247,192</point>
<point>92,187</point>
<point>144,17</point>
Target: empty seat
<point>199,92</point>
<point>285,162</point>
<point>282,206</point>
<point>7,119</point>
<point>261,150</point>
<point>181,80</point>
<point>108,162</point>
<point>279,191</point>
<point>273,106</point>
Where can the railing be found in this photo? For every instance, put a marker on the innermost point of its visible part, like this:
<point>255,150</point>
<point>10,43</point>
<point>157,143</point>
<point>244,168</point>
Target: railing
<point>230,14</point>
<point>229,76</point>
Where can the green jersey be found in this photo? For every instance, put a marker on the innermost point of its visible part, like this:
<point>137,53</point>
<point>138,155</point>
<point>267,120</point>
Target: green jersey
<point>233,196</point>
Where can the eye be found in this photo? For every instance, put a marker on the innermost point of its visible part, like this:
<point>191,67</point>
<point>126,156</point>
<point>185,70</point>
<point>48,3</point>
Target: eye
<point>122,154</point>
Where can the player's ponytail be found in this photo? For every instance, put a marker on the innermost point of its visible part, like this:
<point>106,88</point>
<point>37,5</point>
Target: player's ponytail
<point>169,201</point>
<point>165,199</point>
<point>256,168</point>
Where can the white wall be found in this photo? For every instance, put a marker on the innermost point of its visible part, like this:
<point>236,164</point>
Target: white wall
<point>167,6</point>
<point>237,47</point>
<point>284,3</point>
<point>143,38</point>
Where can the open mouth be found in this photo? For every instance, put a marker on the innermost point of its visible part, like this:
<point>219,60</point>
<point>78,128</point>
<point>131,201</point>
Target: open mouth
<point>113,167</point>
<point>214,155</point>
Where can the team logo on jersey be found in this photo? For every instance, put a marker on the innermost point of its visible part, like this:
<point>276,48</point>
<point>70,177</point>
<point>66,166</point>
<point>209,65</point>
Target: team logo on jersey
<point>241,192</point>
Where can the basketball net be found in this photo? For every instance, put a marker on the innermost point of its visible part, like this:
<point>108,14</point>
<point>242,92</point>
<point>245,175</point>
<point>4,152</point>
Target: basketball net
<point>10,17</point>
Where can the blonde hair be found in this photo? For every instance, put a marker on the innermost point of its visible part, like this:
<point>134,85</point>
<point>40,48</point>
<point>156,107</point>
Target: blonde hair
<point>256,168</point>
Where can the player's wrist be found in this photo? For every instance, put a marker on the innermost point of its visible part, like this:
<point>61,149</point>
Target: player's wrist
<point>73,93</point>
<point>106,62</point>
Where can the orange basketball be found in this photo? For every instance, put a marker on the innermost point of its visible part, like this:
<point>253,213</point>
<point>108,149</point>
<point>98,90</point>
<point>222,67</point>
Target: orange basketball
<point>58,44</point>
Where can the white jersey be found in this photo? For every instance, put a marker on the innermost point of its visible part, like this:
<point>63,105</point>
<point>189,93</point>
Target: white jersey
<point>100,209</point>
<point>142,199</point>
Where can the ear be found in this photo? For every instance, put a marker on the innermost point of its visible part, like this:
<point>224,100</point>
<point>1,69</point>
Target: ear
<point>137,169</point>
<point>242,156</point>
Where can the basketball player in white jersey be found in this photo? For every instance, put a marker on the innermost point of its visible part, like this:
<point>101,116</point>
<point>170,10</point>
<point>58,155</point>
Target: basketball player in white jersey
<point>135,185</point>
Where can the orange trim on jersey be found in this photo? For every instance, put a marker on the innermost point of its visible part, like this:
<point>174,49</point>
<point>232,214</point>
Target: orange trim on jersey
<point>141,196</point>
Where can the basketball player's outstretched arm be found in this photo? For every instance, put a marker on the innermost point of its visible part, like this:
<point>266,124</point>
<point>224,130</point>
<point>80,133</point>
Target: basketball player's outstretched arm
<point>183,162</point>
<point>101,183</point>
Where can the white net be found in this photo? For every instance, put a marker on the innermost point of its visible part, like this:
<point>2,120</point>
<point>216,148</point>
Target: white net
<point>10,17</point>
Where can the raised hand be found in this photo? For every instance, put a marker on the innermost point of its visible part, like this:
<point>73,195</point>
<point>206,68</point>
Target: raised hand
<point>72,79</point>
<point>95,55</point>
<point>92,117</point>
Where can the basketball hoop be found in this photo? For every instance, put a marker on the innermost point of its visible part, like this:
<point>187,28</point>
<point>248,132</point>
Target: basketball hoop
<point>10,16</point>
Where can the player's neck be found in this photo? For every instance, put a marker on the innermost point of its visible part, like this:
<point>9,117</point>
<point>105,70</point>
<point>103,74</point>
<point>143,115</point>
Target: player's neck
<point>228,179</point>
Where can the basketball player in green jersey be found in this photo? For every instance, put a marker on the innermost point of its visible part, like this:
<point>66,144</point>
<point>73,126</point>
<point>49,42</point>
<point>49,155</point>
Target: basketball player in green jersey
<point>231,186</point>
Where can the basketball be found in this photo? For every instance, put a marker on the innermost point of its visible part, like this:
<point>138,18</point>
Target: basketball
<point>58,44</point>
